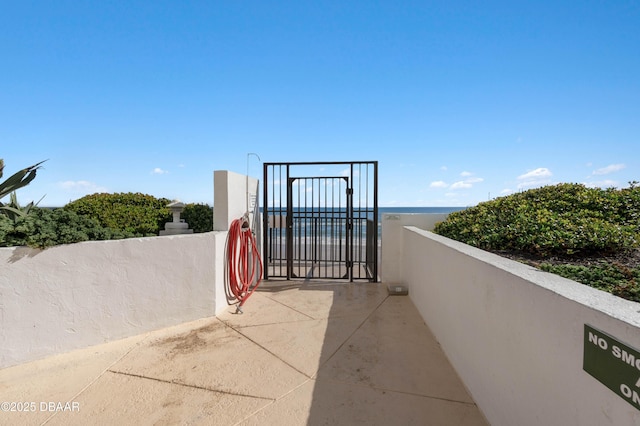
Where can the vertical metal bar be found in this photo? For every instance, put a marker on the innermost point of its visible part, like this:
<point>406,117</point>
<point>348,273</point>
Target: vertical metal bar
<point>367,249</point>
<point>321,230</point>
<point>375,215</point>
<point>315,222</point>
<point>280,244</point>
<point>350,226</point>
<point>320,224</point>
<point>365,244</point>
<point>303,229</point>
<point>277,235</point>
<point>265,222</point>
<point>289,234</point>
<point>338,233</point>
<point>322,218</point>
<point>276,255</point>
<point>334,240</point>
<point>300,212</point>
<point>340,229</point>
<point>325,227</point>
<point>365,222</point>
<point>301,225</point>
<point>276,232</point>
<point>316,219</point>
<point>357,269</point>
<point>340,218</point>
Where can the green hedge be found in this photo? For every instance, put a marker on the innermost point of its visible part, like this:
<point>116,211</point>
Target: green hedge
<point>99,217</point>
<point>564,219</point>
<point>613,278</point>
<point>134,213</point>
<point>44,228</point>
<point>199,217</point>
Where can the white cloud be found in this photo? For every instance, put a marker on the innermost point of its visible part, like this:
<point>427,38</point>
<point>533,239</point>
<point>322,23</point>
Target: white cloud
<point>81,186</point>
<point>506,191</point>
<point>609,169</point>
<point>443,168</point>
<point>466,183</point>
<point>438,184</point>
<point>474,180</point>
<point>461,185</point>
<point>159,171</point>
<point>539,173</point>
<point>538,177</point>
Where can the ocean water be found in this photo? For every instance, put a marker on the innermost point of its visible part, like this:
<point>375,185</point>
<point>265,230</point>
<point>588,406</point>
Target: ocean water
<point>399,210</point>
<point>312,222</point>
<point>381,210</point>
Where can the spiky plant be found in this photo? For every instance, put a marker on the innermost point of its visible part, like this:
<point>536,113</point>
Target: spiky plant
<point>16,181</point>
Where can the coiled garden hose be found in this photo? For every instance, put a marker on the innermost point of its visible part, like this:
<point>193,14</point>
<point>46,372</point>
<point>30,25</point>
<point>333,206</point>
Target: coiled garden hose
<point>244,265</point>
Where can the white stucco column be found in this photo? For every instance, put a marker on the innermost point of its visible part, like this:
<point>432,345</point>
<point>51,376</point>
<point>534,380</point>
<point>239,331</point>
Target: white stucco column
<point>230,193</point>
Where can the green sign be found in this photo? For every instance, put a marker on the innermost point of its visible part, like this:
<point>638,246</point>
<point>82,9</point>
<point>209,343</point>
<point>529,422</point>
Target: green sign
<point>613,363</point>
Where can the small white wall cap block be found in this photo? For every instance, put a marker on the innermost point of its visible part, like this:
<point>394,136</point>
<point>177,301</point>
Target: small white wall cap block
<point>397,290</point>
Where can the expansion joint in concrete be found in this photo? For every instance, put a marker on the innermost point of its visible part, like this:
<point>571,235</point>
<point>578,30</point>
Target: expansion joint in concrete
<point>171,382</point>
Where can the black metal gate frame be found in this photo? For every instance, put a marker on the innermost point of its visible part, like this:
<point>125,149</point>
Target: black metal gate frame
<point>360,219</point>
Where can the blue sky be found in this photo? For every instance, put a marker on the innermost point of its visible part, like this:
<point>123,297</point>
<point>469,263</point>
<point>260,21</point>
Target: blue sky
<point>459,101</point>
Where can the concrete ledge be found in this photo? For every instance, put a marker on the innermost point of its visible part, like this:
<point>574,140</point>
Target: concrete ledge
<point>515,334</point>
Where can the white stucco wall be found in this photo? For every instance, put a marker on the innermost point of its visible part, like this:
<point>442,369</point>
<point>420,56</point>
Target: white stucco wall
<point>77,295</point>
<point>391,250</point>
<point>515,334</point>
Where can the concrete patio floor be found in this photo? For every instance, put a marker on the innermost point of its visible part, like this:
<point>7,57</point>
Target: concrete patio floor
<point>303,353</point>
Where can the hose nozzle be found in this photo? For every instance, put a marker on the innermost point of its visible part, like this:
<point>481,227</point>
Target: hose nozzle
<point>245,222</point>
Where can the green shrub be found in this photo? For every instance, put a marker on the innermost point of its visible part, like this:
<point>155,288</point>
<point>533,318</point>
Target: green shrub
<point>44,228</point>
<point>6,227</point>
<point>563,219</point>
<point>613,278</point>
<point>132,213</point>
<point>627,205</point>
<point>98,217</point>
<point>199,217</point>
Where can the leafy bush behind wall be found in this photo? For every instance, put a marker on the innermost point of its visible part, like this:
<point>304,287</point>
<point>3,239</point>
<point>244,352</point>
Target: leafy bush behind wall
<point>45,228</point>
<point>136,213</point>
<point>563,219</point>
<point>199,217</point>
<point>98,217</point>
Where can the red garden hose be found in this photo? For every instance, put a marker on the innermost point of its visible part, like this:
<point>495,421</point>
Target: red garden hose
<point>244,265</point>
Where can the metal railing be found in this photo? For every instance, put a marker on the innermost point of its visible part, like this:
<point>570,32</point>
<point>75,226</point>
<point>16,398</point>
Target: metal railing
<point>321,220</point>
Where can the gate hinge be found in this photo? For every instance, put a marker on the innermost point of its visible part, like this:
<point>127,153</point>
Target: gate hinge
<point>349,191</point>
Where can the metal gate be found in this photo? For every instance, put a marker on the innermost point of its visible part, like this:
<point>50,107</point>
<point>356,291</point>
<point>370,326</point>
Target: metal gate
<point>320,220</point>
